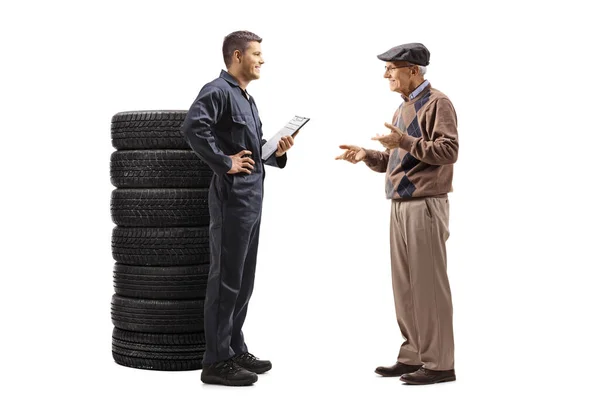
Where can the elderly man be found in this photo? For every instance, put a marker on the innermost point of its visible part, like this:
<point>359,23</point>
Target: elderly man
<point>420,151</point>
<point>224,129</point>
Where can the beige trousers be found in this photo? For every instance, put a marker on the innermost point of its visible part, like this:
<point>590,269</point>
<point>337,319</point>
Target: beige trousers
<point>418,234</point>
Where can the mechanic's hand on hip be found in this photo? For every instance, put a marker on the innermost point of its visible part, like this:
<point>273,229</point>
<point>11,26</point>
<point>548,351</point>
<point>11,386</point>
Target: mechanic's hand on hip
<point>241,163</point>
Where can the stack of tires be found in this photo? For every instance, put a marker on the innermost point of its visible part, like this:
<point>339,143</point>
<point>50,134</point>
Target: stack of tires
<point>160,243</point>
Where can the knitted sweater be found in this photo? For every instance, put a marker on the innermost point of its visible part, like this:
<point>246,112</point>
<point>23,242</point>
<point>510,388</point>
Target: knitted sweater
<point>422,165</point>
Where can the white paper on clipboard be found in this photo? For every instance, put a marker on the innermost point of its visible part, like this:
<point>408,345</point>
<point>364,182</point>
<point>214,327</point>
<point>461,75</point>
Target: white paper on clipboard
<point>289,129</point>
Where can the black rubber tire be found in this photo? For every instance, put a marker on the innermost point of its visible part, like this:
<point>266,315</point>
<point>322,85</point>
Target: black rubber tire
<point>144,130</point>
<point>161,246</point>
<point>158,169</point>
<point>161,283</point>
<point>157,316</point>
<point>160,207</point>
<point>164,352</point>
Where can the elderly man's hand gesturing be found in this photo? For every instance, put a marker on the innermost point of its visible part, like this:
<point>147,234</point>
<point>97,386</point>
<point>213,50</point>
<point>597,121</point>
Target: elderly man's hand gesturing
<point>391,140</point>
<point>352,154</point>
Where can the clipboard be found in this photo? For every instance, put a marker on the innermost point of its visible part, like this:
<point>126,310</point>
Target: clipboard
<point>289,129</point>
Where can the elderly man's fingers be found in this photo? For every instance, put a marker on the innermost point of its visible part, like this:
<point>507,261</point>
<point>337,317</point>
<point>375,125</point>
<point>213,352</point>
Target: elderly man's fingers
<point>343,156</point>
<point>392,127</point>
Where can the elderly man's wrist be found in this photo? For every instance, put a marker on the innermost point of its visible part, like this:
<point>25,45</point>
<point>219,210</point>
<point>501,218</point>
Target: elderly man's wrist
<point>366,156</point>
<point>406,141</point>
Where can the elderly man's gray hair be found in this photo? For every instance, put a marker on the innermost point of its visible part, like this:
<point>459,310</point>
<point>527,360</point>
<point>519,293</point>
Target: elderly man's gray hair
<point>422,70</point>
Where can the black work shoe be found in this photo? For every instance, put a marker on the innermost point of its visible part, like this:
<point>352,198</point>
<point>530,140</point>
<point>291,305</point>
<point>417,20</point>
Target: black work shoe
<point>227,373</point>
<point>397,369</point>
<point>251,363</point>
<point>426,376</point>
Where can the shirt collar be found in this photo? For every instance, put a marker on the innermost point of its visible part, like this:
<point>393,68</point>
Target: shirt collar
<point>229,78</point>
<point>418,90</point>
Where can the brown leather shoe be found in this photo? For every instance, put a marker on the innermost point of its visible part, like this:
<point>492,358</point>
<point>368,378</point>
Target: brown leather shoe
<point>396,370</point>
<point>426,376</point>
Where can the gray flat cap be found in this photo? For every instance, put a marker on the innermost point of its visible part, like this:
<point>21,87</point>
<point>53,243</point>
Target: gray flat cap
<point>414,53</point>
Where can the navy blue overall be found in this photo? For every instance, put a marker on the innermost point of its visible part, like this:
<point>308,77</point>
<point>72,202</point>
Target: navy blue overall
<point>223,121</point>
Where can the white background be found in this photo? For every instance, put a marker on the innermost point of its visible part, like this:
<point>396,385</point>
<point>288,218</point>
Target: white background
<point>522,256</point>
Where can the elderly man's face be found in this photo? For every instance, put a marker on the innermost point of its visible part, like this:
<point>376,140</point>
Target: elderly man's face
<point>399,76</point>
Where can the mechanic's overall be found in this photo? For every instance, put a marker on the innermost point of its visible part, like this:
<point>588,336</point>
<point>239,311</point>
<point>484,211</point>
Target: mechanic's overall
<point>224,129</point>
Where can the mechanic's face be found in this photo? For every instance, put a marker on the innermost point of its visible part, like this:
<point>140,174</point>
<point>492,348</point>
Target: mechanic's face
<point>252,61</point>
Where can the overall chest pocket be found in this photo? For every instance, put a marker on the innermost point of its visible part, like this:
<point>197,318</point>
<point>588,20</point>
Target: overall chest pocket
<point>244,136</point>
<point>243,130</point>
<point>240,129</point>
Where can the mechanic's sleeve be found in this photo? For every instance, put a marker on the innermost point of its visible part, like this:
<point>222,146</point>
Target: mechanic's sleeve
<point>198,128</point>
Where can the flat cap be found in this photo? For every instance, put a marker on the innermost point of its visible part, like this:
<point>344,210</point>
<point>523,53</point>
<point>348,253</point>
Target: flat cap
<point>414,53</point>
